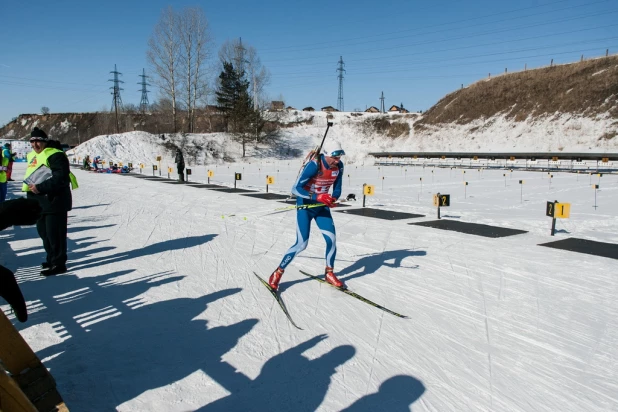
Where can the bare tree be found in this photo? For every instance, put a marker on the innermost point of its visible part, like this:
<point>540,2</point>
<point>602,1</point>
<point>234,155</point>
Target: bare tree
<point>45,110</point>
<point>164,57</point>
<point>246,59</point>
<point>196,48</point>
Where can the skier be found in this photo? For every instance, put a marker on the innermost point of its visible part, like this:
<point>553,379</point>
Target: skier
<point>312,186</point>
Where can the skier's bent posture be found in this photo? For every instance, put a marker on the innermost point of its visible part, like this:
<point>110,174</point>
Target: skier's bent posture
<point>312,186</point>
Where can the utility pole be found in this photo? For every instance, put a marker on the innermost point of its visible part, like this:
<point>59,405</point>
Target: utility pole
<point>382,103</point>
<point>240,57</point>
<point>143,104</point>
<point>340,69</point>
<point>255,102</point>
<point>116,100</point>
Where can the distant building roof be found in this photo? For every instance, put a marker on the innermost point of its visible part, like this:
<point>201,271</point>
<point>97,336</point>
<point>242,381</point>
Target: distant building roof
<point>329,109</point>
<point>277,105</point>
<point>308,109</point>
<point>372,109</point>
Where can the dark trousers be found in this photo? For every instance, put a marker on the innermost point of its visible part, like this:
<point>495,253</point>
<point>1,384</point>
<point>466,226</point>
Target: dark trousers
<point>181,173</point>
<point>3,189</point>
<point>52,229</point>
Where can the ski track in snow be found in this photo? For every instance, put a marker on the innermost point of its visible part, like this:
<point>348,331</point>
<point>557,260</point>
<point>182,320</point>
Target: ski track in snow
<point>495,324</point>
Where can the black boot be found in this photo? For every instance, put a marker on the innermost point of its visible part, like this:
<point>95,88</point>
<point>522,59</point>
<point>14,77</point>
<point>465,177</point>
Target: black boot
<point>54,270</point>
<point>10,291</point>
<point>45,265</point>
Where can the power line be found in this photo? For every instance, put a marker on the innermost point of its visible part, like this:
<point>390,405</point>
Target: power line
<point>457,37</point>
<point>340,69</point>
<point>373,35</point>
<point>143,104</point>
<point>408,66</point>
<point>116,101</point>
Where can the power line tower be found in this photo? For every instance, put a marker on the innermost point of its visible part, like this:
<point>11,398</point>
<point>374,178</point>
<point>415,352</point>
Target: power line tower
<point>382,110</point>
<point>241,61</point>
<point>240,58</point>
<point>143,104</point>
<point>340,69</point>
<point>116,100</point>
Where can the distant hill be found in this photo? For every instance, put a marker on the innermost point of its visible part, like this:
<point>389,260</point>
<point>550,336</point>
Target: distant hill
<point>588,88</point>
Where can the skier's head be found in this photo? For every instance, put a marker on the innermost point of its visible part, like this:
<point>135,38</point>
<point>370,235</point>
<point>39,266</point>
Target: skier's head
<point>332,148</point>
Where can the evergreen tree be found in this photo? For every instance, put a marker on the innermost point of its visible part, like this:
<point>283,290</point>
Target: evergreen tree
<point>245,123</point>
<point>232,86</point>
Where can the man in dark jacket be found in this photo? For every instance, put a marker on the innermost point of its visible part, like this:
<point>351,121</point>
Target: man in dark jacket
<point>51,188</point>
<point>180,165</point>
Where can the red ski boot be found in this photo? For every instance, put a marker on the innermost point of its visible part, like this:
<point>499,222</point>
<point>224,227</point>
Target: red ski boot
<point>332,279</point>
<point>274,279</point>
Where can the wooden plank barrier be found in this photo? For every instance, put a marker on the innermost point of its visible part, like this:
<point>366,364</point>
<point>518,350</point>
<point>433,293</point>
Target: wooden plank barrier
<point>25,383</point>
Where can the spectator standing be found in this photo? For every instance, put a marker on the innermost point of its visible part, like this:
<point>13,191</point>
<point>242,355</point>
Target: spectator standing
<point>54,197</point>
<point>180,165</point>
<point>5,157</point>
<point>12,157</point>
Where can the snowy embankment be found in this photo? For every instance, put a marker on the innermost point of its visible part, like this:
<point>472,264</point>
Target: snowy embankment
<point>559,133</point>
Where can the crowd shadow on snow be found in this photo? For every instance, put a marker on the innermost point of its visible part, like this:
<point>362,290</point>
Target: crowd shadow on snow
<point>117,345</point>
<point>395,394</point>
<point>165,246</point>
<point>369,264</point>
<point>114,345</point>
<point>290,381</point>
<point>91,206</point>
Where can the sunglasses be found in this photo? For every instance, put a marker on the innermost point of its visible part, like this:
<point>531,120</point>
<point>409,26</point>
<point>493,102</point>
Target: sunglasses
<point>337,153</point>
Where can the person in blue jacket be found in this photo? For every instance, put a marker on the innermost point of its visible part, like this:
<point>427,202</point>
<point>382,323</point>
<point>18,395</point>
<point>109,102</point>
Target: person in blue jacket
<point>313,184</point>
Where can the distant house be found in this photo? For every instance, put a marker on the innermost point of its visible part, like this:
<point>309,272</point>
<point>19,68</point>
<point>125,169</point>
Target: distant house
<point>329,109</point>
<point>372,109</point>
<point>277,105</point>
<point>398,109</point>
<point>308,109</point>
<point>290,108</point>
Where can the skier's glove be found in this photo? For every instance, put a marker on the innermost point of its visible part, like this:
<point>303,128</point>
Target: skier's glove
<point>19,212</point>
<point>327,199</point>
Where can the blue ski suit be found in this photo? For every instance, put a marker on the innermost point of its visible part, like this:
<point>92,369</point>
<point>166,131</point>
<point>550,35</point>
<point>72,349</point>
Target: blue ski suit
<point>308,185</point>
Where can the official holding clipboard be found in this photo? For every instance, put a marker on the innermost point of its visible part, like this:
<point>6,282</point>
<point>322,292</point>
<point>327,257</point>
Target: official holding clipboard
<point>48,179</point>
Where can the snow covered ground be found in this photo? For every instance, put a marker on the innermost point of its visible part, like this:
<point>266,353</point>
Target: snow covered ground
<point>160,310</point>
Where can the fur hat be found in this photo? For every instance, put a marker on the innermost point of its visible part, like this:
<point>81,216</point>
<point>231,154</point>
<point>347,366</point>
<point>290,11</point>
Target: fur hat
<point>38,134</point>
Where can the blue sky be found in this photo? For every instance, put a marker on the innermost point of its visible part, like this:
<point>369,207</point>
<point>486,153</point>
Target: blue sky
<point>59,54</point>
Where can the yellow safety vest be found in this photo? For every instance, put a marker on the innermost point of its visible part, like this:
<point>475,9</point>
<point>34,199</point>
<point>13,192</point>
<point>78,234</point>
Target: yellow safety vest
<point>37,160</point>
<point>4,165</point>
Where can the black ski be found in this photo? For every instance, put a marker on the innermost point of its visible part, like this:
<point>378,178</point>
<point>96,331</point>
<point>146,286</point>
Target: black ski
<point>356,295</point>
<point>278,299</point>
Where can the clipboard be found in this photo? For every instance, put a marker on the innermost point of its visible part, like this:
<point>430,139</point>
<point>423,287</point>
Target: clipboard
<point>40,175</point>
